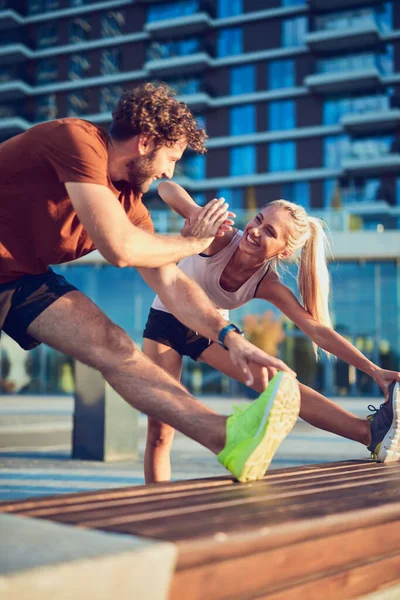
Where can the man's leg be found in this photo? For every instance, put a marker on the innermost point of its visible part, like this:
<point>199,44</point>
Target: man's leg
<point>157,462</point>
<point>73,324</point>
<point>315,408</point>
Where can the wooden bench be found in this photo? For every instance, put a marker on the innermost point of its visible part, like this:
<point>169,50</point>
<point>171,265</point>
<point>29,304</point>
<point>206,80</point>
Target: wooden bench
<point>327,531</point>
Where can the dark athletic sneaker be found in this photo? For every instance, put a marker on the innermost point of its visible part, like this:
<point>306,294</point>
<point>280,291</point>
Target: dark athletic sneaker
<point>385,427</point>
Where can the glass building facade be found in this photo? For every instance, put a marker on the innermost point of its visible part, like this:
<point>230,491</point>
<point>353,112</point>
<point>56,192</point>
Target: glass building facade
<point>301,100</point>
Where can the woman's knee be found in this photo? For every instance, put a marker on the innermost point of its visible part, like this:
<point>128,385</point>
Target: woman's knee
<point>159,434</point>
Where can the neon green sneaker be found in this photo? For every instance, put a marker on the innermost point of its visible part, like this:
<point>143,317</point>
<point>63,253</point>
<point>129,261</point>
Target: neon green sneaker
<point>254,433</point>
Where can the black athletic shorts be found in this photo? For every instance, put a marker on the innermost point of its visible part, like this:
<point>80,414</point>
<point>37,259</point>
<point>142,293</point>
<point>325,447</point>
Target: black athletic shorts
<point>165,328</point>
<point>24,299</point>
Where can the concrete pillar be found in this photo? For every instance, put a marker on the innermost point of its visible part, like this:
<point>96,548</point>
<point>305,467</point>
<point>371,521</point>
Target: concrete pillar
<point>105,427</point>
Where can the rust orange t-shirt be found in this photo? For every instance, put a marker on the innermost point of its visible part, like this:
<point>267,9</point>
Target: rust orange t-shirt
<point>38,224</point>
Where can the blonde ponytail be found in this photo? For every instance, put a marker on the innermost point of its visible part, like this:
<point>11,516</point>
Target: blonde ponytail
<point>313,276</point>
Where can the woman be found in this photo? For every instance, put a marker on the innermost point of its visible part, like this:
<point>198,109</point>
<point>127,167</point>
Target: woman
<point>239,266</point>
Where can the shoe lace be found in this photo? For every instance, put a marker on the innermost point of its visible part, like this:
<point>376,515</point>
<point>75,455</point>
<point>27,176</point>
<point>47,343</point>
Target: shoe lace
<point>373,410</point>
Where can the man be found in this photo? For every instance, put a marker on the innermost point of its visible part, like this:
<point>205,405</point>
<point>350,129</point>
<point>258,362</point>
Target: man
<point>66,188</point>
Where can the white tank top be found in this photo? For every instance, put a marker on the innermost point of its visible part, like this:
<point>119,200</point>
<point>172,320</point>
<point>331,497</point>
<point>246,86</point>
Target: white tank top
<point>207,271</point>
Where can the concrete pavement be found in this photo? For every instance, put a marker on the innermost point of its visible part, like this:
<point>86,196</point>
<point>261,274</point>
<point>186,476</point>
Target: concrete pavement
<point>35,449</point>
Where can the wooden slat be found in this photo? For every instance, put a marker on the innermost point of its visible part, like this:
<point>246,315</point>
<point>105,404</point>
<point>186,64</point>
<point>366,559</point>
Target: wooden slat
<point>284,566</point>
<point>64,500</point>
<point>161,498</point>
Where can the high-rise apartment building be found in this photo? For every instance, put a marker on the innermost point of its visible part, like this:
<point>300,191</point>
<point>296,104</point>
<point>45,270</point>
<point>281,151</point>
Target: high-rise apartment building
<point>301,100</point>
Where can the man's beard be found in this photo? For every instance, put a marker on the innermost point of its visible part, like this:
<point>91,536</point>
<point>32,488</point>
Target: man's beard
<point>141,172</point>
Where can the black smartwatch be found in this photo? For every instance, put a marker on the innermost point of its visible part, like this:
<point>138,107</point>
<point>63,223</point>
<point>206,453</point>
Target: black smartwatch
<point>225,330</point>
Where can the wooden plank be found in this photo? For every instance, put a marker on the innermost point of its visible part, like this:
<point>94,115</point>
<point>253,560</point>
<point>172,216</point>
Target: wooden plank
<point>283,566</point>
<point>342,584</point>
<point>293,473</point>
<point>161,495</point>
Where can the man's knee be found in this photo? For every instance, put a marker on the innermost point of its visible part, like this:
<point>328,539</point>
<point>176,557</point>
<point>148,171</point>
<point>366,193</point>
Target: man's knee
<point>114,348</point>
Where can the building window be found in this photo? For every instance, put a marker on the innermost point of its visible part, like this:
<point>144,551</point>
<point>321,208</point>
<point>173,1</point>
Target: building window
<point>172,10</point>
<point>36,7</point>
<point>383,61</point>
<point>230,42</point>
<point>46,36</point>
<point>164,50</point>
<point>201,121</point>
<point>374,147</point>
<point>6,74</point>
<point>333,110</point>
<point>46,108</point>
<point>191,85</point>
<point>294,2</point>
<point>281,74</point>
<point>46,70</point>
<point>79,66</point>
<point>336,147</point>
<point>110,61</point>
<point>243,160</point>
<point>282,156</point>
<point>281,115</point>
<point>298,192</point>
<point>79,31</point>
<point>195,166</point>
<point>77,103</point>
<point>243,119</point>
<point>229,8</point>
<point>109,97</point>
<point>112,24</point>
<point>242,80</point>
<point>233,196</point>
<point>294,31</point>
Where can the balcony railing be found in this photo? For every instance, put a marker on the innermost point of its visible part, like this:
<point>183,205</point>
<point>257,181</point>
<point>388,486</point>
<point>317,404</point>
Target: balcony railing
<point>377,216</point>
<point>345,33</point>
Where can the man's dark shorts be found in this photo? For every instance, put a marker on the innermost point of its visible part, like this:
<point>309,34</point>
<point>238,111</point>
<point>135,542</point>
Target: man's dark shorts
<point>165,328</point>
<point>24,299</point>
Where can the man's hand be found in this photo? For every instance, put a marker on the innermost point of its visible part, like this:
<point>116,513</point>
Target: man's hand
<point>211,221</point>
<point>384,378</point>
<point>242,352</point>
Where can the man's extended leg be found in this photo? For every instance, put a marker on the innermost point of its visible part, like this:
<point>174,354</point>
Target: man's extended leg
<point>74,325</point>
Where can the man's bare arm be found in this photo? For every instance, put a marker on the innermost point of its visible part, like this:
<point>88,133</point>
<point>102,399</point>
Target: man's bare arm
<point>122,243</point>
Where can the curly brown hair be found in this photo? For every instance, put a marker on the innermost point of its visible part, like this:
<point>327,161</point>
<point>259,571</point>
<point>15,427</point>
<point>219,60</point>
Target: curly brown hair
<point>154,110</point>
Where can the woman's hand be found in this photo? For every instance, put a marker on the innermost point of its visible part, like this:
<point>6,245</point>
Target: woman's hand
<point>209,221</point>
<point>384,378</point>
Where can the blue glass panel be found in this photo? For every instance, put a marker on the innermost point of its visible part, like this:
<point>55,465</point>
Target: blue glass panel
<point>172,10</point>
<point>242,80</point>
<point>243,119</point>
<point>282,156</point>
<point>229,8</point>
<point>298,192</point>
<point>281,115</point>
<point>243,160</point>
<point>230,42</point>
<point>329,188</point>
<point>294,31</point>
<point>195,166</point>
<point>234,197</point>
<point>336,147</point>
<point>281,74</point>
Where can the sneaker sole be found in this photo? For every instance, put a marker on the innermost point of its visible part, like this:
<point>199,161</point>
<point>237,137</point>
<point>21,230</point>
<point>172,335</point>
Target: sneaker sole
<point>281,417</point>
<point>389,450</point>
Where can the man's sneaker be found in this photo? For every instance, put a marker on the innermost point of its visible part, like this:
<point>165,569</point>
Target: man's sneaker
<point>254,432</point>
<point>385,427</point>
